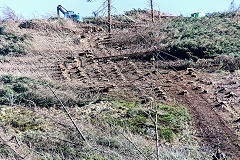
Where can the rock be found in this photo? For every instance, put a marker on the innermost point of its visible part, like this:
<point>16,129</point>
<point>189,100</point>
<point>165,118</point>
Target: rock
<point>184,92</point>
<point>219,104</point>
<point>230,94</point>
<point>190,71</point>
<point>204,91</point>
<point>191,82</point>
<point>197,88</point>
<point>194,75</point>
<point>237,121</point>
<point>222,89</point>
<point>168,81</point>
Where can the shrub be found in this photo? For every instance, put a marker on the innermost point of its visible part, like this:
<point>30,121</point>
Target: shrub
<point>7,79</point>
<point>2,28</point>
<point>12,44</point>
<point>4,151</point>
<point>184,37</point>
<point>19,88</point>
<point>171,120</point>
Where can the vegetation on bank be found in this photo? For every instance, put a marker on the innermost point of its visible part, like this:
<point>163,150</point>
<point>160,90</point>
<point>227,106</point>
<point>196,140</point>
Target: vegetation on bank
<point>53,138</point>
<point>182,37</point>
<point>172,119</point>
<point>23,91</point>
<point>11,43</point>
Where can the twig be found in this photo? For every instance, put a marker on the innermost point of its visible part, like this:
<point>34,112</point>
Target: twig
<point>135,146</point>
<point>66,110</point>
<point>156,132</point>
<point>15,152</point>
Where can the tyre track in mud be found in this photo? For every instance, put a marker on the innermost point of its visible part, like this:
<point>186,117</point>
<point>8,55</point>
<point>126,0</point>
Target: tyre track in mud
<point>212,129</point>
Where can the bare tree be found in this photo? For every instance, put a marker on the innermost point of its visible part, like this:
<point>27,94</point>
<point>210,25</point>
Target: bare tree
<point>232,6</point>
<point>9,13</point>
<point>152,14</point>
<point>109,16</point>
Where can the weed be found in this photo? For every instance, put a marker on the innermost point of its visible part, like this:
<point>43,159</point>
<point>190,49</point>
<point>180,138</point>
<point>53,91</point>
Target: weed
<point>21,119</point>
<point>12,44</point>
<point>124,104</point>
<point>108,142</point>
<point>4,151</point>
<point>171,120</point>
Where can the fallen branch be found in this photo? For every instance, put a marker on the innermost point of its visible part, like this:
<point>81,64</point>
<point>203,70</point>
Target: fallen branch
<point>66,110</point>
<point>135,146</point>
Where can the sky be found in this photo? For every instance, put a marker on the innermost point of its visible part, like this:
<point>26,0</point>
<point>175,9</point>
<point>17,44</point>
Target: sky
<point>30,9</point>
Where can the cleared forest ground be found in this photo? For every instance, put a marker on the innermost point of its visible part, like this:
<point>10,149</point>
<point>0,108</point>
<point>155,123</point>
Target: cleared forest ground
<point>88,70</point>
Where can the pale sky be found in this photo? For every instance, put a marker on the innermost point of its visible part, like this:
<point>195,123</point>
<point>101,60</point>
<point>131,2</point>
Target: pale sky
<point>39,8</point>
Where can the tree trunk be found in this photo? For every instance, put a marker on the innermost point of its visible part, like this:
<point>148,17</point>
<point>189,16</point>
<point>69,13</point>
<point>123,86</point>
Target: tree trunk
<point>152,10</point>
<point>109,17</point>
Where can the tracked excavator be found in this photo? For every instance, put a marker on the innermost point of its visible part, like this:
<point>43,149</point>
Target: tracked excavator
<point>67,14</point>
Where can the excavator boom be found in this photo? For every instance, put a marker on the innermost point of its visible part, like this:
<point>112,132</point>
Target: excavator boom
<point>67,14</point>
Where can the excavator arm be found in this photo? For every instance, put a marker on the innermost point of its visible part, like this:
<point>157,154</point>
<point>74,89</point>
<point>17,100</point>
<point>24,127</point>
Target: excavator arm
<point>67,14</point>
<point>62,9</point>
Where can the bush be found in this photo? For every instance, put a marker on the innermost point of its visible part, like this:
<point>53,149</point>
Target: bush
<point>7,79</point>
<point>171,120</point>
<point>23,89</point>
<point>2,28</point>
<point>12,44</point>
<point>184,37</point>
<point>4,151</point>
<point>19,88</point>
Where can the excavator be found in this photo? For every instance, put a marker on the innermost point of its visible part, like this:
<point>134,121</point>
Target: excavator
<point>68,14</point>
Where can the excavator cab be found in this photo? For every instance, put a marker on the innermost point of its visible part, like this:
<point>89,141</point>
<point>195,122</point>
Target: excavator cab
<point>72,15</point>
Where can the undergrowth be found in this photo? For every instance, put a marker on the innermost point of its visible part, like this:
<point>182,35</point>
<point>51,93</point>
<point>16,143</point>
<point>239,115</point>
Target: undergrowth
<point>136,118</point>
<point>23,91</point>
<point>11,43</point>
<point>31,92</point>
<point>184,37</point>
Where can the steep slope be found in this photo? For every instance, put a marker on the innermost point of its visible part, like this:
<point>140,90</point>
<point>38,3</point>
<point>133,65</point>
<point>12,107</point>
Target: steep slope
<point>81,59</point>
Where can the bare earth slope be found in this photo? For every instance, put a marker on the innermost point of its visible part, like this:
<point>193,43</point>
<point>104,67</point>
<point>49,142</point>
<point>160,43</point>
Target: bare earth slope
<point>69,57</point>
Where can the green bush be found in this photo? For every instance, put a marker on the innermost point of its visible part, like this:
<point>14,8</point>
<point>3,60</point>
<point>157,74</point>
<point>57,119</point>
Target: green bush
<point>7,79</point>
<point>19,88</point>
<point>166,134</point>
<point>171,120</point>
<point>23,90</point>
<point>186,37</point>
<point>12,43</point>
<point>108,142</point>
<point>2,28</point>
<point>202,37</point>
<point>4,151</point>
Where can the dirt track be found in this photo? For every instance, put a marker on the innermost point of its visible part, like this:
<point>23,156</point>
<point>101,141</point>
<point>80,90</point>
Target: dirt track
<point>212,128</point>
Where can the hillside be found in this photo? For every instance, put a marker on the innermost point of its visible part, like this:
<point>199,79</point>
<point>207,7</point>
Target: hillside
<point>113,92</point>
